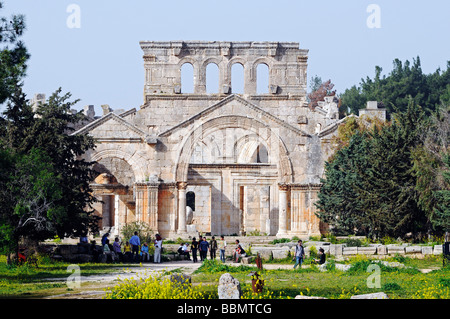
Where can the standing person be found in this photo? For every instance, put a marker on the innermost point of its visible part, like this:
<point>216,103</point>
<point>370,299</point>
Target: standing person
<point>299,254</point>
<point>222,245</point>
<point>203,246</point>
<point>104,238</point>
<point>135,242</point>
<point>194,247</point>
<point>117,249</point>
<point>212,248</point>
<point>128,256</point>
<point>200,239</point>
<point>158,248</point>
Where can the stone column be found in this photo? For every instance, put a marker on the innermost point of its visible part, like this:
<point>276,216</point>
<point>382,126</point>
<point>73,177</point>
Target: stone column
<point>181,207</point>
<point>282,210</point>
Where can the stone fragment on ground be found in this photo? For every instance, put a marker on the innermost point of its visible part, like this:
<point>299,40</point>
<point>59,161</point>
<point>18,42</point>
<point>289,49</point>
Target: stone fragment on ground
<point>229,287</point>
<point>376,295</point>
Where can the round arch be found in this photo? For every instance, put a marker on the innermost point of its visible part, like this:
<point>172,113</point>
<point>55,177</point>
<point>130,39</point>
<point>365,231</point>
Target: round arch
<point>254,66</point>
<point>272,141</point>
<point>133,160</point>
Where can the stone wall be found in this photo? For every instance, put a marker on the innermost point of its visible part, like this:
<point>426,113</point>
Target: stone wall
<point>281,251</point>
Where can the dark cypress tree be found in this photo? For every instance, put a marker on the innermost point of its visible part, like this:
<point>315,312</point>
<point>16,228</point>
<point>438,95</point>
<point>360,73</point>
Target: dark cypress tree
<point>337,204</point>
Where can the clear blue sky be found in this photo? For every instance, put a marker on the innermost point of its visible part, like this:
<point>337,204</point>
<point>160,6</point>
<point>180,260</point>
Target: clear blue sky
<point>101,62</point>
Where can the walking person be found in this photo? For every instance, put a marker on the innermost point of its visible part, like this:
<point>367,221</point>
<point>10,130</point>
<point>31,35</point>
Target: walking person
<point>299,254</point>
<point>222,244</point>
<point>135,242</point>
<point>194,247</point>
<point>158,249</point>
<point>213,248</point>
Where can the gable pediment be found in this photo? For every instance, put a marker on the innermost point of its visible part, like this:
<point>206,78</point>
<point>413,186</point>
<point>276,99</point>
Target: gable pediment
<point>114,128</point>
<point>235,105</point>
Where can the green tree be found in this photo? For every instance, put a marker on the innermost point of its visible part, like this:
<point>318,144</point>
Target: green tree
<point>369,185</point>
<point>49,130</point>
<point>442,209</point>
<point>337,200</point>
<point>30,195</point>
<point>394,90</point>
<point>430,167</point>
<point>13,54</point>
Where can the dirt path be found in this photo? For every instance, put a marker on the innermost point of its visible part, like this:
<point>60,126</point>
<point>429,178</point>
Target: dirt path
<point>92,287</point>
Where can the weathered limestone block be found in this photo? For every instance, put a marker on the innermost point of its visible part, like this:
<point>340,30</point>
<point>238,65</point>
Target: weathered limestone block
<point>350,251</point>
<point>376,295</point>
<point>229,287</point>
<point>437,250</point>
<point>393,264</point>
<point>336,249</point>
<point>427,250</point>
<point>367,250</point>
<point>395,249</point>
<point>308,297</point>
<point>342,267</point>
<point>413,250</point>
<point>280,253</point>
<point>382,250</point>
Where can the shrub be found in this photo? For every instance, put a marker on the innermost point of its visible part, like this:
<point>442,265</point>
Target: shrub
<point>214,266</point>
<point>144,231</point>
<point>313,252</point>
<point>391,286</point>
<point>279,241</point>
<point>156,287</point>
<point>351,242</point>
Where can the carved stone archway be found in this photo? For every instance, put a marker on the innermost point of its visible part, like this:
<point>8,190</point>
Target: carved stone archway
<point>273,141</point>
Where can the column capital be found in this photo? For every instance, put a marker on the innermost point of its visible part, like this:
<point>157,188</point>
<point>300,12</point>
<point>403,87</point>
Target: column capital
<point>283,187</point>
<point>182,185</point>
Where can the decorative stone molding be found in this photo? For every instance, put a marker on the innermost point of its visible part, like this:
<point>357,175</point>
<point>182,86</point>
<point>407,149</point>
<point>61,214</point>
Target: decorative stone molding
<point>283,187</point>
<point>182,185</point>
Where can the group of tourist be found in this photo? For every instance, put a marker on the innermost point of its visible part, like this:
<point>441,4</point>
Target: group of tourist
<point>202,246</point>
<point>133,250</point>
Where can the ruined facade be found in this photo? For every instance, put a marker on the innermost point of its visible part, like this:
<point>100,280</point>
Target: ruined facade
<point>244,163</point>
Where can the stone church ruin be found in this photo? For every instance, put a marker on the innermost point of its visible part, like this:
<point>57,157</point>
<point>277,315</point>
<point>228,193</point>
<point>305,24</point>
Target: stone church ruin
<point>219,163</point>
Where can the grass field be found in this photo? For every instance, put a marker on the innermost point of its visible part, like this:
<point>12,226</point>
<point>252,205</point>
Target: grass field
<point>406,283</point>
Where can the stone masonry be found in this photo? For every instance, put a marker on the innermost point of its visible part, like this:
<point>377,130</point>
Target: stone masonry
<point>244,162</point>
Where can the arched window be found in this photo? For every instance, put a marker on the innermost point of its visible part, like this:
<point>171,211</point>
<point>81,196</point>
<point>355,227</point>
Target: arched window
<point>212,78</point>
<point>187,78</point>
<point>190,200</point>
<point>237,78</point>
<point>262,79</point>
<point>261,155</point>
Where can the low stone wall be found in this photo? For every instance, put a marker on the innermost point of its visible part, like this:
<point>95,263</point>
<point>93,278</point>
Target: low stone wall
<point>281,251</point>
